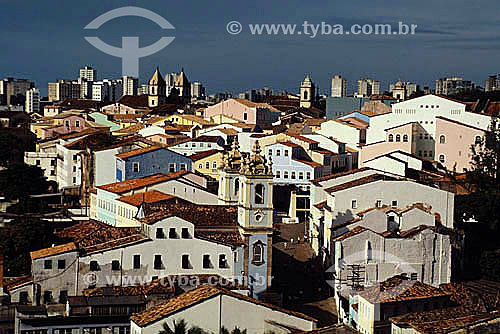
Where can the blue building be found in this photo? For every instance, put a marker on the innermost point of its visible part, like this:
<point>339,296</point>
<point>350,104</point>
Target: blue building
<point>339,106</point>
<point>149,161</point>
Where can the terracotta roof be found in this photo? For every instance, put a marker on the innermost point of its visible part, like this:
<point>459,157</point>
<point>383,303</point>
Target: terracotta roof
<point>126,155</point>
<point>91,236</point>
<point>203,154</point>
<point>206,139</point>
<point>226,237</point>
<point>199,215</point>
<point>289,144</point>
<point>398,288</point>
<point>351,233</point>
<point>196,296</point>
<point>131,129</point>
<point>153,196</point>
<point>92,141</point>
<point>128,185</point>
<point>55,250</point>
<point>135,101</point>
<point>314,121</point>
<point>17,282</point>
<point>359,182</point>
<point>320,205</point>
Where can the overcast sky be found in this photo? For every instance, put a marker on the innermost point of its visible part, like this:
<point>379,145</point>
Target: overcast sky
<point>44,41</point>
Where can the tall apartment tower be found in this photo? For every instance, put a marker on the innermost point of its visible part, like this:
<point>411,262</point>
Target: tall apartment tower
<point>339,86</point>
<point>368,87</point>
<point>88,74</point>
<point>32,101</point>
<point>130,85</point>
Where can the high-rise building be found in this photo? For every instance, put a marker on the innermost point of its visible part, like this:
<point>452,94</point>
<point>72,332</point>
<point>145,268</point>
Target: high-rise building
<point>88,73</point>
<point>453,85</point>
<point>492,83</point>
<point>14,90</point>
<point>339,86</point>
<point>143,89</point>
<point>32,101</point>
<point>197,90</point>
<point>170,80</point>
<point>63,89</point>
<point>368,87</point>
<point>130,85</point>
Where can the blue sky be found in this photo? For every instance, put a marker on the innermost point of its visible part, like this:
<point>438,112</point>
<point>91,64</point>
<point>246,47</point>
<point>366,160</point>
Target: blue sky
<point>45,41</point>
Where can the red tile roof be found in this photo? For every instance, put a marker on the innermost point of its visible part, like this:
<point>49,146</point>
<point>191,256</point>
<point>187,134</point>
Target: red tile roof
<point>125,186</point>
<point>203,154</point>
<point>396,289</point>
<point>55,250</point>
<point>153,196</point>
<point>194,297</point>
<point>126,155</point>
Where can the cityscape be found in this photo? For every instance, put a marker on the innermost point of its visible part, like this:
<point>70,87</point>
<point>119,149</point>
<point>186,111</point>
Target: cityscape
<point>172,204</point>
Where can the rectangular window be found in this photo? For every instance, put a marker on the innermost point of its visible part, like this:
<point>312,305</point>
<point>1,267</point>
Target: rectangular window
<point>278,153</point>
<point>77,124</point>
<point>206,262</point>
<point>47,264</point>
<point>66,123</point>
<point>185,262</point>
<point>135,167</point>
<point>172,234</point>
<point>285,174</point>
<point>171,168</point>
<point>158,262</point>
<point>293,175</point>
<point>308,175</point>
<point>38,162</point>
<point>222,261</point>
<point>47,297</point>
<point>63,296</point>
<point>137,262</point>
<point>94,266</point>
<point>115,265</point>
<point>379,203</point>
<point>394,204</point>
<point>301,175</point>
<point>245,116</point>
<point>183,167</point>
<point>185,233</point>
<point>61,264</point>
<point>75,157</point>
<point>286,153</point>
<point>270,152</point>
<point>278,174</point>
<point>354,204</point>
<point>159,233</point>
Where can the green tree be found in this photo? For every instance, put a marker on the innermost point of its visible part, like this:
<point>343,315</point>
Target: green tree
<point>179,328</point>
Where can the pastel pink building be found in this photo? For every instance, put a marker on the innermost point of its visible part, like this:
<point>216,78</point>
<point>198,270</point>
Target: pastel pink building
<point>453,143</point>
<point>244,111</point>
<point>398,138</point>
<point>64,125</point>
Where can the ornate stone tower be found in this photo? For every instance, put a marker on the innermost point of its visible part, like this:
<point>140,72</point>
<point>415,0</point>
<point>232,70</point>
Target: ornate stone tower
<point>229,175</point>
<point>307,93</point>
<point>157,93</point>
<point>184,87</point>
<point>255,218</point>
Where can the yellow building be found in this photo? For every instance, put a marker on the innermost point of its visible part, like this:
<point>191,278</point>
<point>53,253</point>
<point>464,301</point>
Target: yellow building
<point>181,119</point>
<point>207,162</point>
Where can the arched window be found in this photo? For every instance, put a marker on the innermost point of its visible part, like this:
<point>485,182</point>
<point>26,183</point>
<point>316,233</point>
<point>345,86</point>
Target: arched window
<point>441,158</point>
<point>405,138</point>
<point>442,139</point>
<point>478,140</point>
<point>259,194</point>
<point>207,164</point>
<point>305,95</point>
<point>258,253</point>
<point>236,187</point>
<point>391,137</point>
<point>398,138</point>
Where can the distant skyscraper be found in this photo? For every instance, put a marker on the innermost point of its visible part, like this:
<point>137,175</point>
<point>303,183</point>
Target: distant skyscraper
<point>368,87</point>
<point>15,90</point>
<point>197,90</point>
<point>492,83</point>
<point>88,73</point>
<point>339,86</point>
<point>130,85</point>
<point>32,101</point>
<point>63,89</point>
<point>453,85</point>
<point>170,80</point>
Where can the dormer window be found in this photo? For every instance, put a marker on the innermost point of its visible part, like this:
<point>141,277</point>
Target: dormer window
<point>172,234</point>
<point>159,233</point>
<point>185,233</point>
